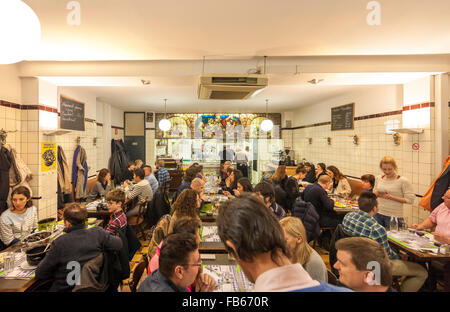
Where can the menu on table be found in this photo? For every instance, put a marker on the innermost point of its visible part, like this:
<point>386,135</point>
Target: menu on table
<point>229,278</point>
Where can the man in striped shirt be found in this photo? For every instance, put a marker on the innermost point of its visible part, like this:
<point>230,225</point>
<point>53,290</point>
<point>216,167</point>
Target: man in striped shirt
<point>362,223</point>
<point>118,219</point>
<point>142,191</point>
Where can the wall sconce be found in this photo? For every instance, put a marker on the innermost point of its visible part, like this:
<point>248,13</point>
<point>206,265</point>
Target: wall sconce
<point>356,139</point>
<point>397,138</point>
<point>310,140</point>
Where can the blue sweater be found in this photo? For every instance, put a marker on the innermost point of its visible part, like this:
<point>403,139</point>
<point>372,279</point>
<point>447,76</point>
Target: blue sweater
<point>324,287</point>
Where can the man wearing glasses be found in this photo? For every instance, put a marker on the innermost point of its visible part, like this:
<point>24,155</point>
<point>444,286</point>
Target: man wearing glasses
<point>179,266</point>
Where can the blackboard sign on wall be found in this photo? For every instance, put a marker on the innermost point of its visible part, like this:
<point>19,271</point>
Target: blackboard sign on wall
<point>72,114</point>
<point>342,117</point>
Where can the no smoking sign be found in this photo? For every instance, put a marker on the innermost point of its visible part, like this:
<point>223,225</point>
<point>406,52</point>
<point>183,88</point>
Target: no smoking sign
<point>415,146</point>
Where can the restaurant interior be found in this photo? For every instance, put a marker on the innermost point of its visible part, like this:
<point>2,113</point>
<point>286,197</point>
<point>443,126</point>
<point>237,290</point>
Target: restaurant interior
<point>88,84</point>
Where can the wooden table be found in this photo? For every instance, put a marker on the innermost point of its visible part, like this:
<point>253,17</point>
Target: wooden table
<point>21,285</point>
<point>15,285</point>
<point>418,255</point>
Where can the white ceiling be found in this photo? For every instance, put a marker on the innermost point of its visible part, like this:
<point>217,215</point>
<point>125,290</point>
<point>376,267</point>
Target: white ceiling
<point>240,29</point>
<point>285,92</point>
<point>191,29</point>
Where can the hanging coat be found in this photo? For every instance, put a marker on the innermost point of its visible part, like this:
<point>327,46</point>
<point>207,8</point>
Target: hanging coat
<point>118,162</point>
<point>5,165</point>
<point>79,172</point>
<point>19,173</point>
<point>64,186</point>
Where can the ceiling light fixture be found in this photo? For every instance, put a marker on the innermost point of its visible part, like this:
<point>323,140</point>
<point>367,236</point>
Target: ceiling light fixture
<point>267,124</point>
<point>20,31</point>
<point>164,124</point>
<point>145,82</point>
<point>315,81</point>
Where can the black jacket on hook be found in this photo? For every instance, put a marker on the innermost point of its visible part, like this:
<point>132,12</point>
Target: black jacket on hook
<point>5,165</point>
<point>118,162</point>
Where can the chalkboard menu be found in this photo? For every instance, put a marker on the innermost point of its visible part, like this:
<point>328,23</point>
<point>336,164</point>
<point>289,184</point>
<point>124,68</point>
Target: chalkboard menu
<point>72,114</point>
<point>342,117</point>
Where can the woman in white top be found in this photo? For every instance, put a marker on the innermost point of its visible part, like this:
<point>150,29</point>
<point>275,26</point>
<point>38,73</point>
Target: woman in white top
<point>20,218</point>
<point>392,191</point>
<point>300,251</point>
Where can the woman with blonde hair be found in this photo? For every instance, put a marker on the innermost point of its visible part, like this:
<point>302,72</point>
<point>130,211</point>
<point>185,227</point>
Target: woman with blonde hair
<point>300,251</point>
<point>392,191</point>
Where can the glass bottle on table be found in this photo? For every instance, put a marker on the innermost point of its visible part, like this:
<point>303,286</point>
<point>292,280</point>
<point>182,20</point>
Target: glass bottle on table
<point>393,224</point>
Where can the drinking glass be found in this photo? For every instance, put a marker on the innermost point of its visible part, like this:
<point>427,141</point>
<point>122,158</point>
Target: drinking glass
<point>9,260</point>
<point>393,224</point>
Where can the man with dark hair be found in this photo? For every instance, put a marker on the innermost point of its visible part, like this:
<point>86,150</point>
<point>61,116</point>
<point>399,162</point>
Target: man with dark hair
<point>179,267</point>
<point>363,265</point>
<point>316,194</point>
<point>189,175</point>
<point>141,190</point>
<point>262,256</point>
<point>78,245</point>
<point>162,174</point>
<point>266,193</point>
<point>362,223</point>
<point>150,177</point>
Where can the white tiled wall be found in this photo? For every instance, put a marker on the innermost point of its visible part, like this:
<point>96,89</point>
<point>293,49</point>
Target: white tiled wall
<point>356,160</point>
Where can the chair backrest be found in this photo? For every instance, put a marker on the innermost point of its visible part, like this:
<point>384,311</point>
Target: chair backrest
<point>338,234</point>
<point>137,273</point>
<point>332,279</point>
<point>90,184</point>
<point>356,186</point>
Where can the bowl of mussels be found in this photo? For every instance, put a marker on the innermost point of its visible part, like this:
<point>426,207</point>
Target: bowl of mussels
<point>37,238</point>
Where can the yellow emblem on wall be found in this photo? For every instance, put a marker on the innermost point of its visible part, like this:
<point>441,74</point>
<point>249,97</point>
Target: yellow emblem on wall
<point>48,156</point>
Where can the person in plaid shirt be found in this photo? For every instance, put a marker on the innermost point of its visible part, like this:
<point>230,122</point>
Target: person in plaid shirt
<point>362,223</point>
<point>118,219</point>
<point>162,174</point>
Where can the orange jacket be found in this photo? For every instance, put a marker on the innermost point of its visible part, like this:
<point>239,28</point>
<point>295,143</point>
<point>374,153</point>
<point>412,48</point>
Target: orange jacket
<point>425,201</point>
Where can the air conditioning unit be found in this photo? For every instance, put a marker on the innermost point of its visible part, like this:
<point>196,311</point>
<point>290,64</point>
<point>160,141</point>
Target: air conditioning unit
<point>230,86</point>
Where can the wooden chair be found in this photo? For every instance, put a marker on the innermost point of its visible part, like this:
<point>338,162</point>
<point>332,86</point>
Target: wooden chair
<point>137,273</point>
<point>138,221</point>
<point>332,279</point>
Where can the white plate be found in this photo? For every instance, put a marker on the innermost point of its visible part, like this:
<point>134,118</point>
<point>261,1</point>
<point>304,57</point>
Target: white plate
<point>26,266</point>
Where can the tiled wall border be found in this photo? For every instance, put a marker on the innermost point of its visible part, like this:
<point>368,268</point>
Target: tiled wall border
<point>47,109</point>
<point>29,107</point>
<point>396,112</point>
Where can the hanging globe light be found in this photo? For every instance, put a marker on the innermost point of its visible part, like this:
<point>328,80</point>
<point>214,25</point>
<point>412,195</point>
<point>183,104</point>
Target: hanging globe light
<point>267,124</point>
<point>20,31</point>
<point>165,124</point>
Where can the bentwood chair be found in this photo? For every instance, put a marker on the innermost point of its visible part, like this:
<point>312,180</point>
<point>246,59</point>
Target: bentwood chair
<point>137,273</point>
<point>137,222</point>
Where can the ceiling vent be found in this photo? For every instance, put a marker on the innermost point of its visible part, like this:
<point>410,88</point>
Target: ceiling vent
<point>229,86</point>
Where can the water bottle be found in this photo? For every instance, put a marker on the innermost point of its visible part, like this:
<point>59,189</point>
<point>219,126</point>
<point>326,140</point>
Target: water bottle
<point>393,224</point>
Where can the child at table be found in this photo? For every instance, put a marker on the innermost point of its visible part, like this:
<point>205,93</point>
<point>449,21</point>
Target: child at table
<point>368,182</point>
<point>118,220</point>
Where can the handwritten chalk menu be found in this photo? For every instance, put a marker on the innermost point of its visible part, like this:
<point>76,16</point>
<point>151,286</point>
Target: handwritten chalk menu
<point>342,117</point>
<point>72,114</point>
